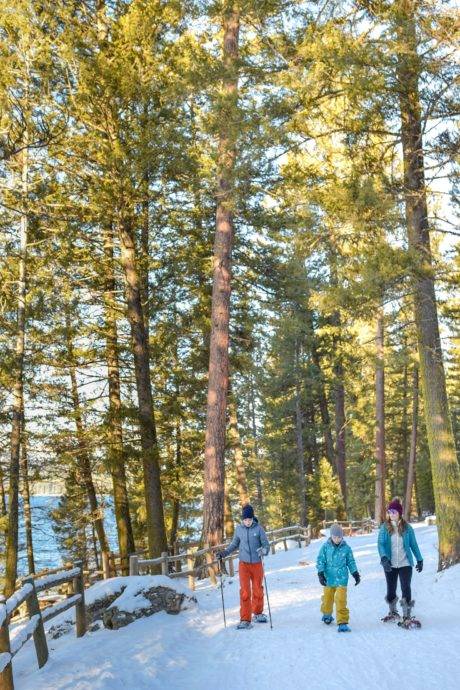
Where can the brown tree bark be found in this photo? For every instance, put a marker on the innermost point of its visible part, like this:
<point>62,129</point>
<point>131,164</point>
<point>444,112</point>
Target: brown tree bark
<point>115,447</point>
<point>83,457</point>
<point>255,440</point>
<point>11,563</point>
<point>25,492</point>
<point>235,445</point>
<point>380,469</point>
<point>156,532</point>
<point>340,426</point>
<point>228,517</point>
<point>444,463</point>
<point>176,501</point>
<point>214,473</point>
<point>299,443</point>
<point>413,446</point>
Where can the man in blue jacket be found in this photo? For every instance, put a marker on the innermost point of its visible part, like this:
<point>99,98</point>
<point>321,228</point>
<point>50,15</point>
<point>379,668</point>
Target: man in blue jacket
<point>252,542</point>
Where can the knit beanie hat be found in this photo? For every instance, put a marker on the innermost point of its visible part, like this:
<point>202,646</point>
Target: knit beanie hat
<point>248,512</point>
<point>396,505</point>
<point>336,530</point>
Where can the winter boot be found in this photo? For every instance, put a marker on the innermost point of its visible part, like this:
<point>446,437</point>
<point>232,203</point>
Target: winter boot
<point>244,625</point>
<point>408,621</point>
<point>260,618</point>
<point>393,614</point>
<point>343,627</point>
<point>327,618</point>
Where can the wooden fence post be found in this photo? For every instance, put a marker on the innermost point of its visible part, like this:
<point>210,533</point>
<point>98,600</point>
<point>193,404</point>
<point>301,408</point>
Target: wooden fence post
<point>190,566</point>
<point>231,568</point>
<point>272,546</point>
<point>285,544</point>
<point>164,563</point>
<point>6,670</point>
<point>80,611</point>
<point>105,565</point>
<point>33,609</point>
<point>134,564</point>
<point>209,559</point>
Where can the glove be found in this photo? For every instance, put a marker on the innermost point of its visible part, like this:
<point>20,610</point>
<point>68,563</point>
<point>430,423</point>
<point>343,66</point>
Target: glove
<point>386,564</point>
<point>419,566</point>
<point>357,577</point>
<point>322,579</point>
<point>220,555</point>
<point>262,551</point>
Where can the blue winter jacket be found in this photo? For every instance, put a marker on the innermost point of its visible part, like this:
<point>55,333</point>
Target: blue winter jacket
<point>335,561</point>
<point>248,540</point>
<point>409,543</point>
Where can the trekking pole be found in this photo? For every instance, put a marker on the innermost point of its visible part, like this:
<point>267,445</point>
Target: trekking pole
<point>222,592</point>
<point>266,592</point>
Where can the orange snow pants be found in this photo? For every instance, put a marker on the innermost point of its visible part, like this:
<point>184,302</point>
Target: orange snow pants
<point>251,589</point>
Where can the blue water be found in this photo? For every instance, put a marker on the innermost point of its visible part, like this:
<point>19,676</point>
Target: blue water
<point>46,551</point>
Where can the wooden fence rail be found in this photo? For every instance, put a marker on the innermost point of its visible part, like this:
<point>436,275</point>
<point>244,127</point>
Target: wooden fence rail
<point>31,586</point>
<point>207,556</point>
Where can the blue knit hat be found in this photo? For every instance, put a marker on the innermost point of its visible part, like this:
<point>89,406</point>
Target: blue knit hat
<point>248,512</point>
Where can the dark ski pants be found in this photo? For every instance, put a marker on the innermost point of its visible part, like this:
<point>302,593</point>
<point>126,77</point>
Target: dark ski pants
<point>405,576</point>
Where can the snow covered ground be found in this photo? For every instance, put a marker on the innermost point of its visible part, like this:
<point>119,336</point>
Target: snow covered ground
<point>193,651</point>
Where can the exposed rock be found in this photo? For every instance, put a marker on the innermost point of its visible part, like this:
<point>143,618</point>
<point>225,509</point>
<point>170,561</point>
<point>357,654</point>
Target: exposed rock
<point>150,601</point>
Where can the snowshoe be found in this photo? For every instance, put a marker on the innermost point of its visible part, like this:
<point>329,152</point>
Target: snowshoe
<point>260,618</point>
<point>343,627</point>
<point>410,623</point>
<point>244,625</point>
<point>392,614</point>
<point>327,618</point>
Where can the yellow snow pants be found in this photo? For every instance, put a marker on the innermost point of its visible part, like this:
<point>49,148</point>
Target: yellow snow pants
<point>339,594</point>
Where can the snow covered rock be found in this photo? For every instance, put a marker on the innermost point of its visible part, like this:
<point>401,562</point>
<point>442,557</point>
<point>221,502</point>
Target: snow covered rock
<point>145,603</point>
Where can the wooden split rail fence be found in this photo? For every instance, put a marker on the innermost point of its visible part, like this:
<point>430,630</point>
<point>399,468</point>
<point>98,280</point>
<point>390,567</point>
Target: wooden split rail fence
<point>172,565</point>
<point>28,594</point>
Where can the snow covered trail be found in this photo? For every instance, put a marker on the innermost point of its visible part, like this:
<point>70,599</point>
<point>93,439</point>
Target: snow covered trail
<point>193,651</point>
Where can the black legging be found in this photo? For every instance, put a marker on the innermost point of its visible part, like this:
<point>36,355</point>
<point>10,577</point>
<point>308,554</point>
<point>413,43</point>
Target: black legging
<point>405,576</point>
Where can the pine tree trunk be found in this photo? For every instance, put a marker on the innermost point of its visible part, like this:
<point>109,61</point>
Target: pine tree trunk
<point>402,455</point>
<point>18,395</point>
<point>156,533</point>
<point>413,447</point>
<point>299,444</point>
<point>444,463</point>
<point>83,457</point>
<point>24,471</point>
<point>214,473</point>
<point>340,421</point>
<point>260,500</point>
<point>322,399</point>
<point>235,444</point>
<point>115,451</point>
<point>228,517</point>
<point>380,470</point>
<point>176,501</point>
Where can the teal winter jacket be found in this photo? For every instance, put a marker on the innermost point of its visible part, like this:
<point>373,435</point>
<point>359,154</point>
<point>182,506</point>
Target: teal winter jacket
<point>335,562</point>
<point>409,543</point>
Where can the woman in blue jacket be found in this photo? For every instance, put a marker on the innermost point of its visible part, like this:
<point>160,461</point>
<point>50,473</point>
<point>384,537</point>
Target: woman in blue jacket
<point>397,547</point>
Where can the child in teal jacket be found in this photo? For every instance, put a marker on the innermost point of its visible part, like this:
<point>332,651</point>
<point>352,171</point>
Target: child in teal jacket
<point>335,560</point>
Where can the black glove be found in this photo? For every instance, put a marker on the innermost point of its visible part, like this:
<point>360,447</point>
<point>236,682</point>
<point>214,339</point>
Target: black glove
<point>419,566</point>
<point>220,555</point>
<point>322,579</point>
<point>386,564</point>
<point>357,577</point>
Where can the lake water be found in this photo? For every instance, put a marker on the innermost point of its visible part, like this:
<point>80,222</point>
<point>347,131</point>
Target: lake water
<point>46,550</point>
